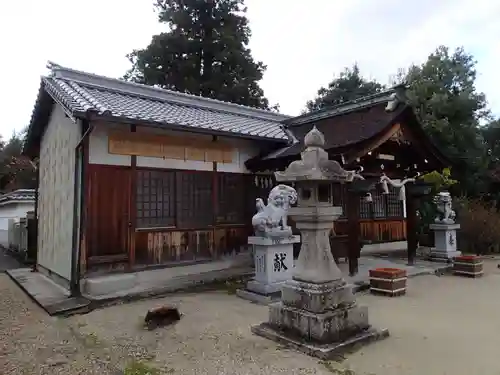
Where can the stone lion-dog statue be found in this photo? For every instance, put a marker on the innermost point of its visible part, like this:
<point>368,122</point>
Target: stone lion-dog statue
<point>271,219</point>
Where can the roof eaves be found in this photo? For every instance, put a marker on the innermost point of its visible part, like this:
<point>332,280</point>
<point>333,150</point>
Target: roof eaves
<point>49,90</point>
<point>341,148</point>
<point>20,195</point>
<point>187,128</point>
<point>352,106</point>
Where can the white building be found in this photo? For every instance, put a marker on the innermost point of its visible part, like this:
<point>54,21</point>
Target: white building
<point>14,206</point>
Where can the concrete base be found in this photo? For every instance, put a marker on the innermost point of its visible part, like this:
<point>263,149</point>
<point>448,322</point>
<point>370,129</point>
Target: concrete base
<point>260,292</point>
<point>111,284</point>
<point>263,288</point>
<point>443,256</point>
<point>261,299</point>
<point>146,283</point>
<point>50,296</point>
<point>322,351</point>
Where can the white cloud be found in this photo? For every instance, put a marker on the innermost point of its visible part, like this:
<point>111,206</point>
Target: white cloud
<point>303,47</point>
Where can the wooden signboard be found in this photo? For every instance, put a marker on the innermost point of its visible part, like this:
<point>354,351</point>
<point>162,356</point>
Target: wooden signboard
<point>169,147</point>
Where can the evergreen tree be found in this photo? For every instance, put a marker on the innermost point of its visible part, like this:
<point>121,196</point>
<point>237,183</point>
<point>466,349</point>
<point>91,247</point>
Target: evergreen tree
<point>204,52</point>
<point>443,92</point>
<point>350,85</point>
<point>16,170</point>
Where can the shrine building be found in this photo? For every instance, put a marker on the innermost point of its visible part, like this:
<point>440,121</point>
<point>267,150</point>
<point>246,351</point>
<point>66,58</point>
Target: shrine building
<point>133,177</point>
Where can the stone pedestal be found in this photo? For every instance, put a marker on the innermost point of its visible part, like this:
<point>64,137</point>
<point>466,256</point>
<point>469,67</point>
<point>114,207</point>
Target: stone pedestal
<point>445,242</point>
<point>273,266</point>
<point>317,313</point>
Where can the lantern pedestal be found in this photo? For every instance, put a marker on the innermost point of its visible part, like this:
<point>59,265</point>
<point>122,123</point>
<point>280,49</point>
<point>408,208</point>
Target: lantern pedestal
<point>317,314</point>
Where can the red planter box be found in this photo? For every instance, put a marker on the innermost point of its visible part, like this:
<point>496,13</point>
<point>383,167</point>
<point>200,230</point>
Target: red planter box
<point>468,265</point>
<point>388,281</point>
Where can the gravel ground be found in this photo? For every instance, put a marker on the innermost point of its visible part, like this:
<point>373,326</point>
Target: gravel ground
<point>444,325</point>
<point>33,343</point>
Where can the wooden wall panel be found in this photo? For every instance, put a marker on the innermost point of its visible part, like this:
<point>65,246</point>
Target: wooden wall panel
<point>231,239</point>
<point>377,230</point>
<point>164,247</point>
<point>171,246</point>
<point>107,212</point>
<point>167,146</point>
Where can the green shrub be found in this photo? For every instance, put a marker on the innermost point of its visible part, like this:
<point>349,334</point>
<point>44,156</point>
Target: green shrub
<point>479,231</point>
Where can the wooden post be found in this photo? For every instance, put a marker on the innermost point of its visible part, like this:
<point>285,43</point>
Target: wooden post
<point>354,231</point>
<point>132,209</point>
<point>415,191</point>
<point>411,227</point>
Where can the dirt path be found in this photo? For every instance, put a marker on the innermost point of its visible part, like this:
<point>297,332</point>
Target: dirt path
<point>445,325</point>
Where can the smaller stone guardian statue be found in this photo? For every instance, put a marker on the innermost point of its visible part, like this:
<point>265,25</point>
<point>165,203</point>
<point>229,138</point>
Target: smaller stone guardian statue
<point>271,219</point>
<point>443,203</point>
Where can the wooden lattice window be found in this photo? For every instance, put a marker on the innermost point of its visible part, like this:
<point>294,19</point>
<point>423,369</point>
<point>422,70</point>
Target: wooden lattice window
<point>339,198</point>
<point>194,199</point>
<point>394,205</point>
<point>365,208</point>
<point>155,199</point>
<point>231,199</point>
<point>379,204</point>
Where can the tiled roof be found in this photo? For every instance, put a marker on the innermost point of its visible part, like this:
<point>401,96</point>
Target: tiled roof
<point>18,195</point>
<point>342,125</point>
<point>82,93</point>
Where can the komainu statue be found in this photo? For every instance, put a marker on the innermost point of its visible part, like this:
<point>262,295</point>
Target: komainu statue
<point>271,219</point>
<point>443,203</point>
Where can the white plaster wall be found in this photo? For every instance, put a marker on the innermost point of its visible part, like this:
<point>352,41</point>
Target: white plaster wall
<point>98,145</point>
<point>14,211</point>
<point>244,149</point>
<point>56,193</point>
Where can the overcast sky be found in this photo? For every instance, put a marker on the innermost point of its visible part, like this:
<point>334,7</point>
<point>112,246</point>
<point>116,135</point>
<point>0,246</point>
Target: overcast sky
<point>303,46</point>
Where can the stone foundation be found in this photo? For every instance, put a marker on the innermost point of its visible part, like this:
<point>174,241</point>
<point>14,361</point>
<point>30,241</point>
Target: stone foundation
<point>319,319</point>
<point>330,326</point>
<point>322,351</point>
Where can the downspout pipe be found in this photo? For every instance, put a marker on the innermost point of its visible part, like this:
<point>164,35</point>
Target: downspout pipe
<point>79,195</point>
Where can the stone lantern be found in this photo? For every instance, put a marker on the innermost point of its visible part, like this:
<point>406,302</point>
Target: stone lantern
<point>317,313</point>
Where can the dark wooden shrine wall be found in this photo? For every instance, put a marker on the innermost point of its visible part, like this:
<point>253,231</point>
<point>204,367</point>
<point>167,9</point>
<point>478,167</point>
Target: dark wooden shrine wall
<point>381,220</point>
<point>383,206</point>
<point>154,216</point>
<point>106,215</point>
<point>376,231</point>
